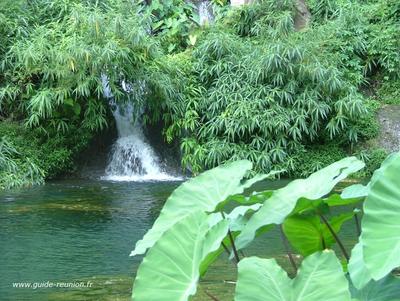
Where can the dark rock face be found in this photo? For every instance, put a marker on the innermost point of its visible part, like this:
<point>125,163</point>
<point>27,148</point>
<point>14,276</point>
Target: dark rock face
<point>389,119</point>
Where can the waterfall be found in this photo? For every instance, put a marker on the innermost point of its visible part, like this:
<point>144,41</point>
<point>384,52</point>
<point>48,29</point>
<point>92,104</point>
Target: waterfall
<point>205,11</point>
<point>132,157</point>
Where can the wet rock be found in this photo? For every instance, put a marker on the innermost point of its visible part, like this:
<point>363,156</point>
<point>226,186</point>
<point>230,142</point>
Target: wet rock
<point>389,119</point>
<point>303,15</point>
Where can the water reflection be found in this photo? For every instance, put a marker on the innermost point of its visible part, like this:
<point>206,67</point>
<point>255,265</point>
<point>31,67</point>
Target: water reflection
<point>84,230</point>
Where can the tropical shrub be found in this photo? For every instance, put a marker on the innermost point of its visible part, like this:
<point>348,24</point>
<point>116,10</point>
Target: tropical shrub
<point>195,227</point>
<point>172,21</point>
<point>249,87</point>
<point>373,158</point>
<point>383,35</point>
<point>389,92</point>
<point>57,60</point>
<point>9,25</point>
<point>262,94</point>
<point>53,76</point>
<point>368,33</point>
<point>16,169</point>
<point>312,158</point>
<point>53,154</point>
<point>235,100</point>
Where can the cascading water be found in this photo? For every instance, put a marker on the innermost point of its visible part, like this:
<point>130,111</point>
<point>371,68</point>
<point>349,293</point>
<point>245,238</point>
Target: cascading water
<point>205,12</point>
<point>132,158</point>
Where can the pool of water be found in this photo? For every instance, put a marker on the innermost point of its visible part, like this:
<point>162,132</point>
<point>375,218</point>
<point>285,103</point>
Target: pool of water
<point>83,230</point>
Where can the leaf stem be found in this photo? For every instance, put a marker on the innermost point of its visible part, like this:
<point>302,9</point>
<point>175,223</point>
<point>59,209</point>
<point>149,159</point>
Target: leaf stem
<point>339,242</point>
<point>357,224</point>
<point>287,248</point>
<point>235,252</point>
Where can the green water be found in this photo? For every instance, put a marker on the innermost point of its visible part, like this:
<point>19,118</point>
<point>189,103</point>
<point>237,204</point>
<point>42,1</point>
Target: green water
<point>72,231</point>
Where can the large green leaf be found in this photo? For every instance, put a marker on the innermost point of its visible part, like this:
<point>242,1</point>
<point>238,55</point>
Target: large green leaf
<point>386,289</point>
<point>276,208</point>
<point>320,278</point>
<point>355,191</point>
<point>237,217</point>
<point>262,280</point>
<point>359,273</point>
<point>203,193</point>
<point>381,221</point>
<point>171,268</point>
<point>304,205</point>
<point>237,220</point>
<point>307,234</point>
<point>254,198</point>
<point>340,200</point>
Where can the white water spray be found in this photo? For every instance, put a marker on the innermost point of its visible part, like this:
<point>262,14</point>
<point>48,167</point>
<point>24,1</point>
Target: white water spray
<point>132,158</point>
<point>205,12</point>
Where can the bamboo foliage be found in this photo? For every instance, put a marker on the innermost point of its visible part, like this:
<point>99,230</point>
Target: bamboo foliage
<point>263,99</point>
<point>64,58</point>
<point>16,169</point>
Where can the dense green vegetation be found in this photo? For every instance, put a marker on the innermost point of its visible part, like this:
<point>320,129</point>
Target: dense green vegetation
<point>17,170</point>
<point>51,75</point>
<point>253,86</point>
<point>259,89</point>
<point>28,156</point>
<point>263,98</point>
<point>266,90</point>
<point>197,224</point>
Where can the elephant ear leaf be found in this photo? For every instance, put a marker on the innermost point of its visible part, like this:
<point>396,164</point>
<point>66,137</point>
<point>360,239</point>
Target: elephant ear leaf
<point>203,193</point>
<point>359,273</point>
<point>171,268</point>
<point>355,191</point>
<point>386,289</point>
<point>380,236</point>
<point>320,278</point>
<point>304,234</point>
<point>308,235</point>
<point>282,202</point>
<point>260,280</point>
